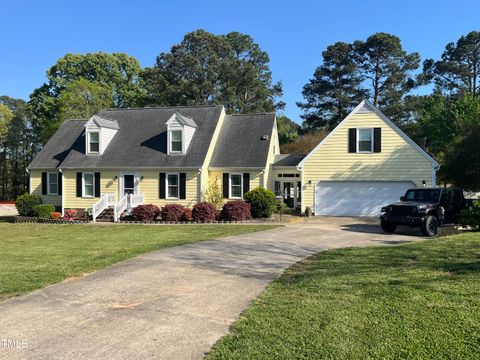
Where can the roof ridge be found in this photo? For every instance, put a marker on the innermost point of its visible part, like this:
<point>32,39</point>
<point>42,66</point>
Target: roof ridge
<point>158,107</point>
<point>250,114</point>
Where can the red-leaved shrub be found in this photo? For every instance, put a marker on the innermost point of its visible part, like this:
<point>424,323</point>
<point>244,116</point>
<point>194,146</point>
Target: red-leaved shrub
<point>55,215</point>
<point>172,212</point>
<point>148,212</point>
<point>236,211</point>
<point>204,212</point>
<point>187,215</point>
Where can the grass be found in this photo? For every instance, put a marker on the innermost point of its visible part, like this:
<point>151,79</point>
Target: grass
<point>412,301</point>
<point>35,255</point>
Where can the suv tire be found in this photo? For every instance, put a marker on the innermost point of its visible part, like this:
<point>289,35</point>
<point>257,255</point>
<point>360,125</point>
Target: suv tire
<point>388,226</point>
<point>429,226</point>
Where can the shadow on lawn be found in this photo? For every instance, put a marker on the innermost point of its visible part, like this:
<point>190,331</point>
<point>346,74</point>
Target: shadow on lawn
<point>376,229</point>
<point>7,219</point>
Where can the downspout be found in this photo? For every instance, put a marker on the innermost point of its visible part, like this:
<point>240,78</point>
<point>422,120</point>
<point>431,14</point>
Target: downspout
<point>29,181</point>
<point>63,204</point>
<point>200,185</point>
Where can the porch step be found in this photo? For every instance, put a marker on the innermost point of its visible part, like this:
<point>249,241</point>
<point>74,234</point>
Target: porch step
<point>106,215</point>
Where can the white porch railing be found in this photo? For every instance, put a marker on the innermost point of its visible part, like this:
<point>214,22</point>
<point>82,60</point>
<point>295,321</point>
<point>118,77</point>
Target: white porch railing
<point>136,199</point>
<point>120,207</point>
<point>105,201</point>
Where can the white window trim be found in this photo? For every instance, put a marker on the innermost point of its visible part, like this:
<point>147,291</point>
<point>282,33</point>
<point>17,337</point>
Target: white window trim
<point>48,183</point>
<point>99,131</point>
<point>230,186</point>
<point>166,186</point>
<point>358,141</point>
<point>170,151</point>
<point>83,185</point>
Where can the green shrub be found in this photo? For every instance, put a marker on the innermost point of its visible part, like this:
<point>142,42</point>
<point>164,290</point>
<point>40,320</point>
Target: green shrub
<point>262,202</point>
<point>43,210</point>
<point>471,215</point>
<point>26,202</point>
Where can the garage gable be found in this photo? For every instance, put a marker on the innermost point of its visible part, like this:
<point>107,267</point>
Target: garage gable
<point>366,146</point>
<point>364,116</point>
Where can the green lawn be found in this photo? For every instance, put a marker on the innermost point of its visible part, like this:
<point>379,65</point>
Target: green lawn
<point>412,301</point>
<point>35,255</point>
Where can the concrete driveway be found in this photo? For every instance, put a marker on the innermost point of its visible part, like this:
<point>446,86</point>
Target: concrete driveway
<point>170,304</point>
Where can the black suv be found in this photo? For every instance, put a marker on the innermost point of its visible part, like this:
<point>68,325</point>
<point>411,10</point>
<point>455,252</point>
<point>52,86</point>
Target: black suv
<point>426,208</point>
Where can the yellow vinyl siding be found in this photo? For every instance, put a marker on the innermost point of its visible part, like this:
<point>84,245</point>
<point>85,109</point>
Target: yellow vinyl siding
<point>208,157</point>
<point>397,161</point>
<point>149,186</point>
<point>36,188</point>
<point>273,150</point>
<point>255,177</point>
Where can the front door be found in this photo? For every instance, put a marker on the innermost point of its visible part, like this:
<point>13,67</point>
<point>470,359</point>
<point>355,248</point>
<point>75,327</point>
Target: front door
<point>128,184</point>
<point>289,193</point>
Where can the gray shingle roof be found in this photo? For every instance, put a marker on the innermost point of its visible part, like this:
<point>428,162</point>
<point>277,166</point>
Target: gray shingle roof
<point>287,160</point>
<point>240,142</point>
<point>188,121</point>
<point>139,142</point>
<point>108,123</point>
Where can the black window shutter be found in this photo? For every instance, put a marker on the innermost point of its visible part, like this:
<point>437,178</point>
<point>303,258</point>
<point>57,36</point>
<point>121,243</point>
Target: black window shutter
<point>246,182</point>
<point>226,184</point>
<point>183,187</point>
<point>60,184</point>
<point>377,140</point>
<point>44,183</point>
<point>79,184</point>
<point>352,140</point>
<point>97,184</point>
<point>161,185</point>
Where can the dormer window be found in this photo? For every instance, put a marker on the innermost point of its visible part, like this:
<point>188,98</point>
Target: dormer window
<point>93,142</point>
<point>99,132</point>
<point>176,142</point>
<point>180,131</point>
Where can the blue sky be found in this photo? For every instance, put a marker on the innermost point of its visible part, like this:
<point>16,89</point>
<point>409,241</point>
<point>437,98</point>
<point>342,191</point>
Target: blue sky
<point>294,33</point>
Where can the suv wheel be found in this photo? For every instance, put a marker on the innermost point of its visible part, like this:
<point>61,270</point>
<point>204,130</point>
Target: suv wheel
<point>388,226</point>
<point>429,226</point>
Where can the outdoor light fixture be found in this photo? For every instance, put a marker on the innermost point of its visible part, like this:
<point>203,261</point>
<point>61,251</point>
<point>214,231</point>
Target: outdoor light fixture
<point>424,183</point>
<point>141,178</point>
<point>115,178</point>
<point>309,181</point>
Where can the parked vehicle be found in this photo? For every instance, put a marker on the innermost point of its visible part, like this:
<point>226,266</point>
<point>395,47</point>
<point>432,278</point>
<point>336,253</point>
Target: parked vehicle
<point>426,208</point>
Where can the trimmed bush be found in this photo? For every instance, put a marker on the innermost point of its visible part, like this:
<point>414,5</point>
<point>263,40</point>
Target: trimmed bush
<point>148,212</point>
<point>55,215</point>
<point>172,212</point>
<point>236,211</point>
<point>26,202</point>
<point>43,210</point>
<point>262,202</point>
<point>187,215</point>
<point>471,215</point>
<point>204,212</point>
<point>70,214</point>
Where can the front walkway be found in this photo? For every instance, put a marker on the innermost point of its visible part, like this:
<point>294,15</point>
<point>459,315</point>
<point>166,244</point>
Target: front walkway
<point>170,304</point>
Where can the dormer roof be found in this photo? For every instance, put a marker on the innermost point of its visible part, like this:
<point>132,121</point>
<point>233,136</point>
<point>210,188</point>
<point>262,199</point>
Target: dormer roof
<point>184,120</point>
<point>103,122</point>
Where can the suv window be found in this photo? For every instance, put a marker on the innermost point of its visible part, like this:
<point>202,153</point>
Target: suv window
<point>457,195</point>
<point>445,198</point>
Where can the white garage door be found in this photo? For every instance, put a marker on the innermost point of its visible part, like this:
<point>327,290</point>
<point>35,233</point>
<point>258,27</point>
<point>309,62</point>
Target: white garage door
<point>357,198</point>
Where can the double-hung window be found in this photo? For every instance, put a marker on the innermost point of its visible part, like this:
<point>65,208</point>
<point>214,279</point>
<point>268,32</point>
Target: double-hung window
<point>172,186</point>
<point>176,145</point>
<point>93,142</point>
<point>365,141</point>
<point>52,184</point>
<point>88,185</point>
<point>236,186</point>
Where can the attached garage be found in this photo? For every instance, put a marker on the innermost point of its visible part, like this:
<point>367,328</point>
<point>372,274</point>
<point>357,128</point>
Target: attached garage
<point>357,198</point>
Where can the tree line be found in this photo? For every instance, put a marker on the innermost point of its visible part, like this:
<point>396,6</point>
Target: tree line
<point>234,71</point>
